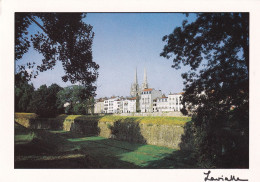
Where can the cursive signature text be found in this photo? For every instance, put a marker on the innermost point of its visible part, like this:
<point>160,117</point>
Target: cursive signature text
<point>222,178</point>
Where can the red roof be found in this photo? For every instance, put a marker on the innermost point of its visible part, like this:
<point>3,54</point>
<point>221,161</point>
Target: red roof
<point>148,89</point>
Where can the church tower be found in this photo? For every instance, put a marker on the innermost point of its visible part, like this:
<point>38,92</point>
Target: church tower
<point>135,87</point>
<point>145,83</point>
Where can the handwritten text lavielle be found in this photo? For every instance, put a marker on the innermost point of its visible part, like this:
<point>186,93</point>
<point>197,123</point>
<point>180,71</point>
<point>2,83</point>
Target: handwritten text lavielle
<point>222,178</point>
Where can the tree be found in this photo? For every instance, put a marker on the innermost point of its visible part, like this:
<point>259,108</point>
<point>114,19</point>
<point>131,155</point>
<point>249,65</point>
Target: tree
<point>64,37</point>
<point>216,47</point>
<point>76,99</point>
<point>23,94</point>
<point>44,101</point>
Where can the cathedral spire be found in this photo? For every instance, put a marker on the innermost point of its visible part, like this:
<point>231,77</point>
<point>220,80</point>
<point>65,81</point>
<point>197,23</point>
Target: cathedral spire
<point>145,76</point>
<point>145,83</point>
<point>135,87</point>
<point>136,81</point>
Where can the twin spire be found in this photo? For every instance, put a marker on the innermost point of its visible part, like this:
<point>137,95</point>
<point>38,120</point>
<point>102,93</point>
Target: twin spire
<point>145,83</point>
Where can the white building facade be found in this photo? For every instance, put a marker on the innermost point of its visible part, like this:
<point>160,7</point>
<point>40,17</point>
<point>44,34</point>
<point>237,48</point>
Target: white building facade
<point>99,107</point>
<point>147,97</point>
<point>174,101</point>
<point>110,105</point>
<point>168,104</point>
<point>116,105</point>
<point>161,104</point>
<point>129,105</point>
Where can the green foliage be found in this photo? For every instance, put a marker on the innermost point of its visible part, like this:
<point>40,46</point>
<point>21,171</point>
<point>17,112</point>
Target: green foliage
<point>44,101</point>
<point>79,108</point>
<point>77,98</point>
<point>61,37</point>
<point>23,94</point>
<point>218,45</point>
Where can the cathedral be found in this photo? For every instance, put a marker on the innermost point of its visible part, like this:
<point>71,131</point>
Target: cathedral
<point>143,100</point>
<point>135,89</point>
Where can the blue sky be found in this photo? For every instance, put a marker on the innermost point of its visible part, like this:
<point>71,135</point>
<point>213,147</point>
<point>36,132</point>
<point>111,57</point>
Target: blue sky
<point>122,43</point>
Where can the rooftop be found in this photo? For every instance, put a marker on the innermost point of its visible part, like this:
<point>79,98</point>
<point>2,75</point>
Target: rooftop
<point>180,93</point>
<point>148,89</point>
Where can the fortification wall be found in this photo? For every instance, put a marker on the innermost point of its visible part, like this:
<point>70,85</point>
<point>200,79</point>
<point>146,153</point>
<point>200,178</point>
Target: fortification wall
<point>161,135</point>
<point>132,129</point>
<point>32,121</point>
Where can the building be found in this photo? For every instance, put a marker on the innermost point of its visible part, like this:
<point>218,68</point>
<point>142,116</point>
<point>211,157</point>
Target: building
<point>113,105</point>
<point>129,105</point>
<point>147,97</point>
<point>118,106</point>
<point>174,101</point>
<point>161,104</point>
<point>168,104</point>
<point>99,106</point>
<point>109,105</point>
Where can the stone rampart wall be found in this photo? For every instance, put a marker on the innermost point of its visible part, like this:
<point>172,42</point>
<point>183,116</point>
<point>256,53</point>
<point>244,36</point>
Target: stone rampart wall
<point>168,135</point>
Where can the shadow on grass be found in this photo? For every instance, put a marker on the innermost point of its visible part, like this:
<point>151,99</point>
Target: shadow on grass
<point>59,149</point>
<point>64,149</point>
<point>178,159</point>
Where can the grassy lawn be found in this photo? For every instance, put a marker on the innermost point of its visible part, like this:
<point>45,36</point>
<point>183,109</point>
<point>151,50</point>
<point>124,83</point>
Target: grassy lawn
<point>60,149</point>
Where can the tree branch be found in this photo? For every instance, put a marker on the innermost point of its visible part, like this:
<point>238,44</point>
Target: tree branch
<point>38,24</point>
